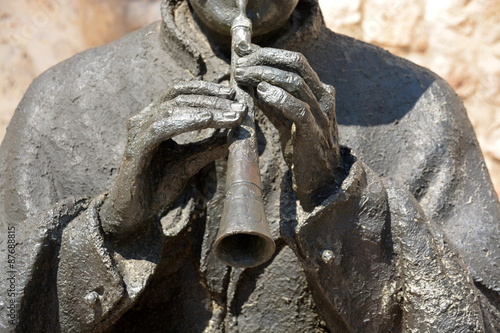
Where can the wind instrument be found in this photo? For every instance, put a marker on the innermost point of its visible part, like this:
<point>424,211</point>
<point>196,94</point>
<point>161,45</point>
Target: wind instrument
<point>244,238</point>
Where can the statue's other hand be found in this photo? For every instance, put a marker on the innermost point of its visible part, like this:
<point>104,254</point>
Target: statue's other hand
<point>302,108</point>
<point>155,169</point>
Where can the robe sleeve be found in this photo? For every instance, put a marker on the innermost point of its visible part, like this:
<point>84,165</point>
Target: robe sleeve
<point>69,278</point>
<point>96,282</point>
<point>375,263</point>
<point>32,298</point>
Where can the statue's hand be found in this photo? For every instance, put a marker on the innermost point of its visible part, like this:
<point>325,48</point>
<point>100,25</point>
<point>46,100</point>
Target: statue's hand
<point>302,108</point>
<point>155,169</point>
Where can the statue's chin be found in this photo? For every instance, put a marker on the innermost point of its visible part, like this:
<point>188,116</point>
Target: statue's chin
<point>267,17</point>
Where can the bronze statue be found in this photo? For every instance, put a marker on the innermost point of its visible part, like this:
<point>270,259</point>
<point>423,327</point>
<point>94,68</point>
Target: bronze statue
<point>113,173</point>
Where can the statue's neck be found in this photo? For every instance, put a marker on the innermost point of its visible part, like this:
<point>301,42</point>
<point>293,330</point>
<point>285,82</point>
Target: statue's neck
<point>198,44</point>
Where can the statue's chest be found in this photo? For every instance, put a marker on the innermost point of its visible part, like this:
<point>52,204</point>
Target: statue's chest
<point>273,296</point>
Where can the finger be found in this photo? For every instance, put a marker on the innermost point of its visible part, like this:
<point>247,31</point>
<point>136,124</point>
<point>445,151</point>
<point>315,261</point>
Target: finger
<point>227,119</point>
<point>202,88</point>
<point>223,110</point>
<point>200,101</point>
<point>137,122</point>
<point>198,88</point>
<point>191,160</point>
<point>330,89</point>
<point>145,117</point>
<point>280,122</point>
<point>291,82</point>
<point>286,60</point>
<point>166,128</point>
<point>183,120</point>
<point>287,105</point>
<point>330,106</point>
<point>153,113</point>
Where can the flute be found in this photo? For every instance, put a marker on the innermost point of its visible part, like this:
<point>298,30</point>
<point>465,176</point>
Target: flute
<point>244,238</point>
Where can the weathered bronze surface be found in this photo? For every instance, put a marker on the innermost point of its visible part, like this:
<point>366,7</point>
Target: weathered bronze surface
<point>113,179</point>
<point>244,238</point>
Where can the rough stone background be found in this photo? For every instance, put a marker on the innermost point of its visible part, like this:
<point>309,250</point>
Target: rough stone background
<point>457,39</point>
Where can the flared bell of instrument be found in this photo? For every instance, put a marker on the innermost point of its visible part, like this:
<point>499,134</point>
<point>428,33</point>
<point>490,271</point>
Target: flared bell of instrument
<point>244,238</point>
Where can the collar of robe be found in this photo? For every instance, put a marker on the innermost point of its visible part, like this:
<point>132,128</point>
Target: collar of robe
<point>192,50</point>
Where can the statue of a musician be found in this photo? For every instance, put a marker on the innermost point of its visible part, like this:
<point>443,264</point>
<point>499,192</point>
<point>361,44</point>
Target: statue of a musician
<point>112,185</point>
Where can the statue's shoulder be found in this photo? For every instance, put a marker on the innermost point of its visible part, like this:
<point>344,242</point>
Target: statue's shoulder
<point>360,62</point>
<point>368,77</point>
<point>73,117</point>
<point>122,76</point>
<point>104,64</point>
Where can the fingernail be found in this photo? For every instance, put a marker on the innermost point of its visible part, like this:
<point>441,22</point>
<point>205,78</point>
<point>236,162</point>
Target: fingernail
<point>230,115</point>
<point>225,90</point>
<point>241,61</point>
<point>237,107</point>
<point>263,87</point>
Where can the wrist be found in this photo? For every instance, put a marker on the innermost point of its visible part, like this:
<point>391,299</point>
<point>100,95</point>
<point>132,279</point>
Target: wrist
<point>109,219</point>
<point>312,191</point>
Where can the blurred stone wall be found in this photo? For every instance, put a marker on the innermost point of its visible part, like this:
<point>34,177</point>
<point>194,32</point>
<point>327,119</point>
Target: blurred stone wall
<point>37,34</point>
<point>457,39</point>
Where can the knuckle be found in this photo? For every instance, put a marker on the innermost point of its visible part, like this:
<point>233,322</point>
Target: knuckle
<point>133,121</point>
<point>328,101</point>
<point>225,91</point>
<point>259,54</point>
<point>330,89</point>
<point>274,96</point>
<point>194,84</point>
<point>206,102</point>
<point>171,92</point>
<point>302,112</point>
<point>177,87</point>
<point>210,100</point>
<point>178,100</point>
<point>277,96</point>
<point>281,98</point>
<point>300,82</point>
<point>295,58</point>
<point>207,85</point>
<point>295,81</point>
<point>185,87</point>
<point>300,58</point>
<point>157,127</point>
<point>254,49</point>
